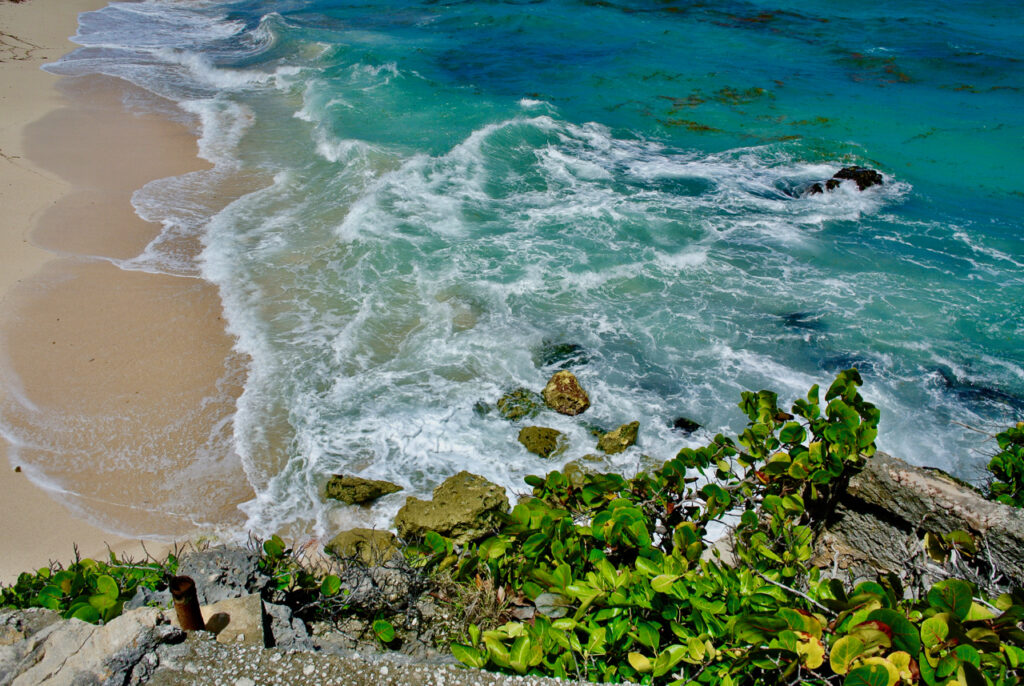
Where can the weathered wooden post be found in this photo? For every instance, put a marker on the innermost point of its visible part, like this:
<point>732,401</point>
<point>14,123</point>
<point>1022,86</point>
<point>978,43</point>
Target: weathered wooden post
<point>186,603</point>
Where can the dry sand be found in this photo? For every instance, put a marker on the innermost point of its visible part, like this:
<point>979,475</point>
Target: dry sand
<point>116,387</point>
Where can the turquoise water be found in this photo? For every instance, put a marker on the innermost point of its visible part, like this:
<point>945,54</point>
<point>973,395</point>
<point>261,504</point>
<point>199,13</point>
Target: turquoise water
<point>452,186</point>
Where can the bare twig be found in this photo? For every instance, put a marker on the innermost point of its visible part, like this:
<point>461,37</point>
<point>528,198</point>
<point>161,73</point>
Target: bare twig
<point>806,597</point>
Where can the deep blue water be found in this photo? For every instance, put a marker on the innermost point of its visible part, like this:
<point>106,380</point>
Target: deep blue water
<point>450,186</point>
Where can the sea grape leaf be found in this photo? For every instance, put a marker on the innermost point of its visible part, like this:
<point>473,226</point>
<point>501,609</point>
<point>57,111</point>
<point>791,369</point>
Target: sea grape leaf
<point>953,596</point>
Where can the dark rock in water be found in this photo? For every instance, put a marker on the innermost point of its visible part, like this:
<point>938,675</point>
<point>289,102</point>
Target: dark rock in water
<point>222,573</point>
<point>616,441</point>
<point>522,403</point>
<point>686,426</point>
<point>465,507</point>
<point>367,546</point>
<point>973,392</point>
<point>481,408</point>
<point>355,490</point>
<point>862,176</point>
<point>803,320</point>
<point>561,355</point>
<point>832,184</point>
<point>542,441</point>
<point>814,189</point>
<point>564,395</point>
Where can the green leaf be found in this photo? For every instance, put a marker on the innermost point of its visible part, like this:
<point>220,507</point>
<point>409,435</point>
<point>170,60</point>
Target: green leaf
<point>953,596</point>
<point>934,631</point>
<point>843,653</point>
<point>640,663</point>
<point>904,634</point>
<point>274,548</point>
<point>868,675</point>
<point>663,582</point>
<point>330,585</point>
<point>647,633</point>
<point>384,630</point>
<point>471,657</point>
<point>102,602</point>
<point>519,656</point>
<point>792,432</point>
<point>84,612</point>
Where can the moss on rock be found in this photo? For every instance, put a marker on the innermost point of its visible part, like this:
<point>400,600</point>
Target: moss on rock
<point>564,395</point>
<point>465,507</point>
<point>368,546</point>
<point>542,441</point>
<point>522,403</point>
<point>616,441</point>
<point>355,490</point>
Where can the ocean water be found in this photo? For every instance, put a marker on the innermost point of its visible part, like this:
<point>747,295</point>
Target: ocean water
<point>446,189</point>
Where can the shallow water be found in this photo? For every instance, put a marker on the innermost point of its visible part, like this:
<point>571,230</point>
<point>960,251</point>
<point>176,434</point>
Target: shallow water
<point>454,186</point>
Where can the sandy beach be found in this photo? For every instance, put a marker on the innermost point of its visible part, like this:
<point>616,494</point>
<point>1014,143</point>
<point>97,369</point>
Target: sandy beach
<point>117,386</point>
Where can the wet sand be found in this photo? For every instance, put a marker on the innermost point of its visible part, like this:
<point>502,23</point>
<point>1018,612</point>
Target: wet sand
<point>117,387</point>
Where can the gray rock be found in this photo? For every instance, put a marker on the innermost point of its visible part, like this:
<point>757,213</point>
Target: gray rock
<point>222,573</point>
<point>74,653</point>
<point>282,630</point>
<point>887,507</point>
<point>17,625</point>
<point>145,597</point>
<point>373,589</point>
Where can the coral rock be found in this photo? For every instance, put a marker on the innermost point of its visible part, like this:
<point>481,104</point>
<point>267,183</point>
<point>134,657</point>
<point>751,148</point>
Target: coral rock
<point>564,395</point>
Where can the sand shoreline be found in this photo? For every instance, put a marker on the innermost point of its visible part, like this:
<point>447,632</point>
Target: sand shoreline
<point>117,386</point>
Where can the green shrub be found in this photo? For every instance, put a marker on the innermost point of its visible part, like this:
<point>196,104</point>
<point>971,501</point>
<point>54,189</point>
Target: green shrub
<point>626,588</point>
<point>88,590</point>
<point>1007,467</point>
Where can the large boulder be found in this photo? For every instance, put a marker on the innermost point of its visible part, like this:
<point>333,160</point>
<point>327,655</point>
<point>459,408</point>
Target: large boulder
<point>355,490</point>
<point>564,395</point>
<point>465,507</point>
<point>74,652</point>
<point>223,572</point>
<point>542,441</point>
<point>616,441</point>
<point>880,519</point>
<point>520,403</point>
<point>862,176</point>
<point>366,546</point>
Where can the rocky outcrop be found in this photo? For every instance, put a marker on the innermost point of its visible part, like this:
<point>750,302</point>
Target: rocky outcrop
<point>73,652</point>
<point>864,178</point>
<point>564,395</point>
<point>354,490</point>
<point>618,440</point>
<point>522,403</point>
<point>880,520</point>
<point>223,572</point>
<point>542,441</point>
<point>685,425</point>
<point>465,507</point>
<point>366,546</point>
